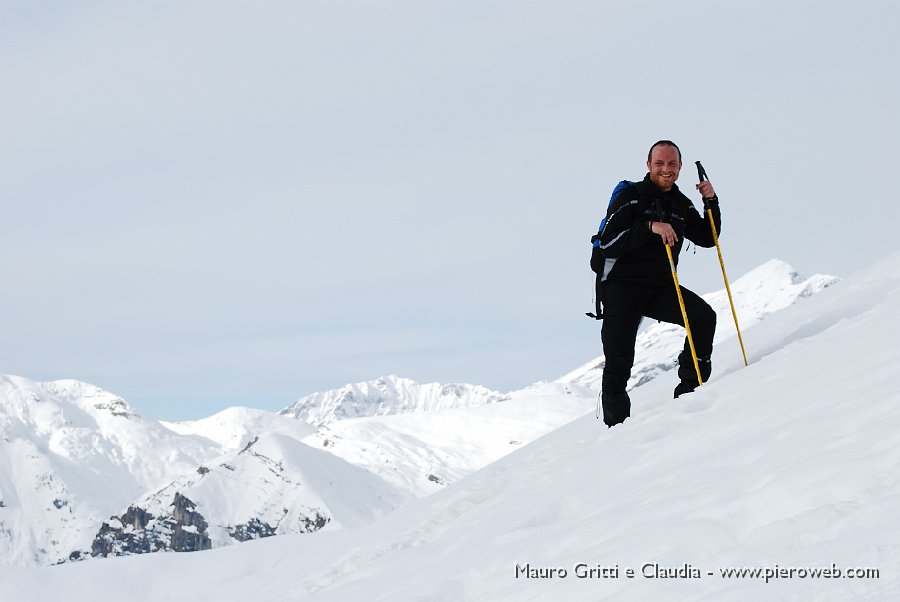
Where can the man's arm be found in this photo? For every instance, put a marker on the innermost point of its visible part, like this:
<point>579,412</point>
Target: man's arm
<point>697,229</point>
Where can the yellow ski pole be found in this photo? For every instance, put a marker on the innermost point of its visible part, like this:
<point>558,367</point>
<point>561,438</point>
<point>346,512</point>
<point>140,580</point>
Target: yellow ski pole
<point>702,174</point>
<point>687,326</point>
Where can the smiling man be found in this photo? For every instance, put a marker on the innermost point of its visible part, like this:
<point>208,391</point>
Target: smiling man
<point>637,279</point>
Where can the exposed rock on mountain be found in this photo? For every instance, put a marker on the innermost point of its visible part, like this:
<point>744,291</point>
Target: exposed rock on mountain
<point>139,532</point>
<point>274,485</point>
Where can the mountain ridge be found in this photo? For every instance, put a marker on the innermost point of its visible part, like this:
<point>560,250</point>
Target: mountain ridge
<point>787,464</point>
<point>386,395</point>
<point>413,439</point>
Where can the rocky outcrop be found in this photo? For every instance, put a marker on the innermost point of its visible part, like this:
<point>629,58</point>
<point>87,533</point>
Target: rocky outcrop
<point>139,532</point>
<point>254,529</point>
<point>257,529</point>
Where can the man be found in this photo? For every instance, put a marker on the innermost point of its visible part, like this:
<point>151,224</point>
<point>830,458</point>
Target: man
<point>637,279</point>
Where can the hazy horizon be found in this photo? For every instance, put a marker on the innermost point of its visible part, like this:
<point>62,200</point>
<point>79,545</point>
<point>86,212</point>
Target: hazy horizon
<point>210,204</point>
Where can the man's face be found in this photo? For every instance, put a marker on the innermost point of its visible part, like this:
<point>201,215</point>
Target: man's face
<point>664,166</point>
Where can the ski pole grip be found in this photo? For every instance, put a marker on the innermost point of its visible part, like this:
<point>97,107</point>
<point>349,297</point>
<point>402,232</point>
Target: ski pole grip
<point>701,173</point>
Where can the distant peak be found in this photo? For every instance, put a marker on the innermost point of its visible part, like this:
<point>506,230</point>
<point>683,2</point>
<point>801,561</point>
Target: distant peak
<point>387,395</point>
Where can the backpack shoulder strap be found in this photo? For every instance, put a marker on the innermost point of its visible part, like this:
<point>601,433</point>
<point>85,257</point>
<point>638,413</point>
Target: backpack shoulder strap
<point>645,192</point>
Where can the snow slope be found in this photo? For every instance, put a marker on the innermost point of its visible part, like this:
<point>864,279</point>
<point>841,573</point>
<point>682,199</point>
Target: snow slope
<point>417,438</point>
<point>232,429</point>
<point>791,462</point>
<point>424,452</point>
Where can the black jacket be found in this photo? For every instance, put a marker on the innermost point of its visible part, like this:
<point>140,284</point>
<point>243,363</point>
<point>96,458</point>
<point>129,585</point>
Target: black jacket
<point>634,253</point>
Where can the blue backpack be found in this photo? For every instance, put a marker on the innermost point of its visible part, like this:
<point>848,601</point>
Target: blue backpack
<point>598,261</point>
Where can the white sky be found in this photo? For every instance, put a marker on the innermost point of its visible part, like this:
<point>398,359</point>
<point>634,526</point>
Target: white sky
<point>212,203</point>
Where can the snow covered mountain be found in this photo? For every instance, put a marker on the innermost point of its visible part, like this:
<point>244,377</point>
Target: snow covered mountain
<point>769,288</point>
<point>776,481</point>
<point>275,485</point>
<point>71,454</point>
<point>386,396</point>
<point>424,452</point>
<point>232,429</point>
<point>83,475</point>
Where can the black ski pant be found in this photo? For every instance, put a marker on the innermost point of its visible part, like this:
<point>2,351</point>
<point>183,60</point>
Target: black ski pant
<point>624,304</point>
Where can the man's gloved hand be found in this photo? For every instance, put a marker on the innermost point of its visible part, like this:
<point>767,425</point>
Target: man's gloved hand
<point>665,231</point>
<point>706,189</point>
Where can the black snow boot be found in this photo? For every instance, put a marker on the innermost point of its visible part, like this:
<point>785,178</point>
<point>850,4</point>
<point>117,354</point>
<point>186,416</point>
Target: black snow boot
<point>685,387</point>
<point>688,374</point>
<point>616,407</point>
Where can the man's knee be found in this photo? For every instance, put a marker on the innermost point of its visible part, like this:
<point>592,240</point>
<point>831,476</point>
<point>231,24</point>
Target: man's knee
<point>706,316</point>
<point>711,318</point>
<point>703,324</point>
